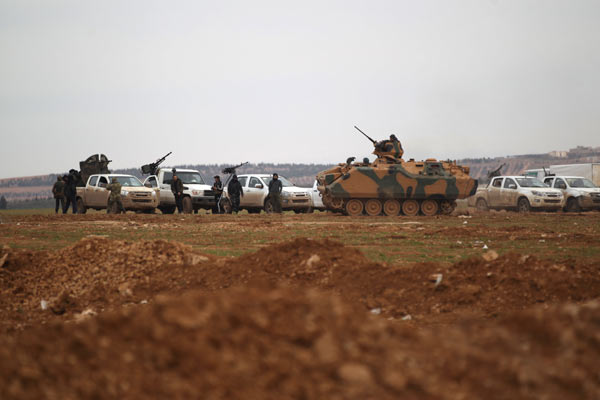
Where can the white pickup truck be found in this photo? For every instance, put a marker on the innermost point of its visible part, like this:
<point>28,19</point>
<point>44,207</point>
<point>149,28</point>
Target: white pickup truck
<point>580,193</point>
<point>517,192</point>
<point>134,195</point>
<point>256,195</point>
<point>196,193</point>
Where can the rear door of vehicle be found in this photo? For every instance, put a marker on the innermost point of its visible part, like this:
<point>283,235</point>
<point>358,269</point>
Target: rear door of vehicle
<point>166,196</point>
<point>253,195</point>
<point>494,192</point>
<point>90,193</point>
<point>243,201</point>
<point>509,193</point>
<point>101,193</point>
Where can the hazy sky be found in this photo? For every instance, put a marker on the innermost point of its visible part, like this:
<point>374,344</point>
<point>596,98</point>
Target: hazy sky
<point>285,81</point>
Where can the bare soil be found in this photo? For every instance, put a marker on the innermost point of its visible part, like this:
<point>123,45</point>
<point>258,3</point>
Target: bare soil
<point>306,307</point>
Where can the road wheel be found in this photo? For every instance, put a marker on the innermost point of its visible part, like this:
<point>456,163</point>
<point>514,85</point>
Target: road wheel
<point>429,207</point>
<point>354,207</point>
<point>481,205</point>
<point>391,208</point>
<point>523,205</point>
<point>410,207</point>
<point>187,205</point>
<point>572,205</point>
<point>373,207</point>
<point>81,208</point>
<point>447,207</point>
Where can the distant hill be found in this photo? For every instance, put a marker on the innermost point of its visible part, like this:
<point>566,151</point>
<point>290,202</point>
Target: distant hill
<point>39,187</point>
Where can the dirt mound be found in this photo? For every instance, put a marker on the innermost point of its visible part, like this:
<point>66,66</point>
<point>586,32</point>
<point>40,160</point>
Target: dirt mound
<point>284,343</point>
<point>97,273</point>
<point>487,285</point>
<point>93,273</point>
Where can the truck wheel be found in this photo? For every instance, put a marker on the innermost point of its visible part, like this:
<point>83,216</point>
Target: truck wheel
<point>187,205</point>
<point>523,205</point>
<point>81,208</point>
<point>481,205</point>
<point>268,206</point>
<point>572,205</point>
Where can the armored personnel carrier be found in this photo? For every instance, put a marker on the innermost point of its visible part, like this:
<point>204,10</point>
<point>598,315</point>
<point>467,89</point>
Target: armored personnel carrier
<point>391,185</point>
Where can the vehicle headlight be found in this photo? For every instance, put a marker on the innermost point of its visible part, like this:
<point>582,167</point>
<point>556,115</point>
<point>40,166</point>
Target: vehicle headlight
<point>124,192</point>
<point>536,193</point>
<point>197,192</point>
<point>286,194</point>
<point>153,193</point>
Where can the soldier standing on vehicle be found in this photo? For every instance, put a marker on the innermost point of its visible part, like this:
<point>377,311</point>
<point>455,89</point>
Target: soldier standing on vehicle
<point>177,189</point>
<point>115,197</point>
<point>217,188</point>
<point>58,190</point>
<point>71,191</point>
<point>275,188</point>
<point>234,189</point>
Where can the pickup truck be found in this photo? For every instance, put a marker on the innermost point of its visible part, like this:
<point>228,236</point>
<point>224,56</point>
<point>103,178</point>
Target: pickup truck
<point>134,195</point>
<point>517,192</point>
<point>196,193</point>
<point>580,193</point>
<point>256,195</point>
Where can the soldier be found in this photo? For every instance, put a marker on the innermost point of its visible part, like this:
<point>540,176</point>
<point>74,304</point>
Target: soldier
<point>70,191</point>
<point>115,197</point>
<point>58,190</point>
<point>217,188</point>
<point>177,189</point>
<point>275,188</point>
<point>234,189</point>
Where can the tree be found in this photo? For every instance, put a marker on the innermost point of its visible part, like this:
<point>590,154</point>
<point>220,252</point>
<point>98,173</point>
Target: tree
<point>3,203</point>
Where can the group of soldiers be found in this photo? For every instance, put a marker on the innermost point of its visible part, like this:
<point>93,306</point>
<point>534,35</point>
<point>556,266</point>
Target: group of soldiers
<point>235,192</point>
<point>65,192</point>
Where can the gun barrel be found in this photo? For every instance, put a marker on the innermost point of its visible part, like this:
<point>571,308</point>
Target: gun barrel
<point>367,136</point>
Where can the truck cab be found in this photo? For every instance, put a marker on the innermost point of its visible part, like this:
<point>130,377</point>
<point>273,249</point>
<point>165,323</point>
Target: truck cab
<point>580,193</point>
<point>196,193</point>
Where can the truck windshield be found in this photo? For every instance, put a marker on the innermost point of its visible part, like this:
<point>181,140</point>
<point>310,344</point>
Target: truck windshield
<point>284,181</point>
<point>531,182</point>
<point>190,177</point>
<point>580,183</point>
<point>128,181</point>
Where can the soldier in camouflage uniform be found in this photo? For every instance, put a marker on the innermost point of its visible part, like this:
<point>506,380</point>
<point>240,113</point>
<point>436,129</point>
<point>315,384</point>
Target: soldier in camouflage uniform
<point>115,197</point>
<point>58,190</point>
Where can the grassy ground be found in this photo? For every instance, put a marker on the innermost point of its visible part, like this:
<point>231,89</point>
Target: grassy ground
<point>398,240</point>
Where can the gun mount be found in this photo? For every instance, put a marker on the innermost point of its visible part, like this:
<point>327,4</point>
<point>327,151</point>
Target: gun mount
<point>94,164</point>
<point>495,172</point>
<point>231,170</point>
<point>385,150</point>
<point>152,167</point>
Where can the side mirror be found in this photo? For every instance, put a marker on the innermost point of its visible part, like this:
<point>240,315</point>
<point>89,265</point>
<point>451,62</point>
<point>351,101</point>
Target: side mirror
<point>259,186</point>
